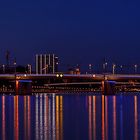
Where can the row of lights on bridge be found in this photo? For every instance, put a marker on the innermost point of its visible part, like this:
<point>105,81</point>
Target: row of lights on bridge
<point>59,75</point>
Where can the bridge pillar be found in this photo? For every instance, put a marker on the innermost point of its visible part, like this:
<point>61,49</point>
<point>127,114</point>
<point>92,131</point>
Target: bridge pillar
<point>108,87</point>
<point>23,87</point>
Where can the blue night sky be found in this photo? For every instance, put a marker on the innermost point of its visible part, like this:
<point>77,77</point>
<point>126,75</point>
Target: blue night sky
<point>78,31</point>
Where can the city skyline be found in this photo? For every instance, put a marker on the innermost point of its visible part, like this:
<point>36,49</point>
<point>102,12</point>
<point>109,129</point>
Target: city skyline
<point>77,31</point>
<point>50,63</point>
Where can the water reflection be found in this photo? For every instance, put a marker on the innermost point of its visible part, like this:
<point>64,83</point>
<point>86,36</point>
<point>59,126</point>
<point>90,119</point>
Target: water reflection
<point>135,118</point>
<point>114,118</point>
<point>3,118</point>
<point>121,118</point>
<point>45,117</point>
<point>103,117</point>
<point>77,117</point>
<point>112,112</point>
<point>92,113</point>
<point>90,117</point>
<point>106,118</point>
<point>16,118</point>
<point>49,117</point>
<point>94,117</point>
<point>25,119</point>
<point>36,118</point>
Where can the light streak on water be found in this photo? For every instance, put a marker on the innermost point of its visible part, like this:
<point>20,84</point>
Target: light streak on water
<point>121,118</point>
<point>25,119</point>
<point>57,118</point>
<point>61,117</point>
<point>45,117</point>
<point>49,118</point>
<point>53,117</point>
<point>94,117</point>
<point>103,117</point>
<point>106,117</point>
<point>114,118</point>
<point>16,119</point>
<point>36,118</point>
<point>28,118</point>
<point>135,118</point>
<point>90,116</point>
<point>41,118</point>
<point>3,118</point>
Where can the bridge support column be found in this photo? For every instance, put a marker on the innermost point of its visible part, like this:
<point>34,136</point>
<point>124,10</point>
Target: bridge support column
<point>108,87</point>
<point>23,87</point>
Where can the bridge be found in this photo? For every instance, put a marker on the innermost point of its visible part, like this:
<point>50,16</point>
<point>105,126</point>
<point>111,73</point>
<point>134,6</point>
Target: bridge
<point>70,81</point>
<point>116,77</point>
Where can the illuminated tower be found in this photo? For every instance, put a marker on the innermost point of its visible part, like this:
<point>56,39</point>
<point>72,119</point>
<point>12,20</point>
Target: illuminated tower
<point>46,63</point>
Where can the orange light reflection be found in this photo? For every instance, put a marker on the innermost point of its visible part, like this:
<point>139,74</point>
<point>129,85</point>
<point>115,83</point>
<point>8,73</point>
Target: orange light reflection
<point>135,118</point>
<point>90,117</point>
<point>57,117</point>
<point>114,118</point>
<point>94,117</point>
<point>16,119</point>
<point>25,121</point>
<point>28,117</point>
<point>103,117</point>
<point>3,118</point>
<point>61,117</point>
<point>106,117</point>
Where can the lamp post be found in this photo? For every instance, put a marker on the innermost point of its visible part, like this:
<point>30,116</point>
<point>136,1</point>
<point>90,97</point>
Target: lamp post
<point>3,68</point>
<point>15,67</point>
<point>29,68</point>
<point>135,68</point>
<point>121,69</point>
<point>105,67</point>
<point>113,68</point>
<point>90,68</point>
<point>15,74</point>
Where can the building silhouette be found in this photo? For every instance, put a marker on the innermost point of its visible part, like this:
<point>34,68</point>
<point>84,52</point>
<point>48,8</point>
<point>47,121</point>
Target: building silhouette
<point>46,63</point>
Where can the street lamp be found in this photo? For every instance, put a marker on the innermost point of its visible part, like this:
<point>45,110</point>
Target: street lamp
<point>29,69</point>
<point>15,76</point>
<point>121,68</point>
<point>15,66</point>
<point>105,66</point>
<point>90,68</point>
<point>113,68</point>
<point>135,68</point>
<point>3,68</point>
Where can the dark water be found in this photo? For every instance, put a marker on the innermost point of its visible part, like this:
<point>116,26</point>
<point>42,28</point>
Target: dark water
<point>70,117</point>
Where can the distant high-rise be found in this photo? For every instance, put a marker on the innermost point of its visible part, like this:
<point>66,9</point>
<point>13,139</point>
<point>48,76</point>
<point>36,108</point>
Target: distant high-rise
<point>46,63</point>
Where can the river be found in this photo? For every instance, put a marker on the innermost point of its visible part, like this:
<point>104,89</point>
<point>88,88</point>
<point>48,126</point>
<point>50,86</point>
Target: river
<point>70,116</point>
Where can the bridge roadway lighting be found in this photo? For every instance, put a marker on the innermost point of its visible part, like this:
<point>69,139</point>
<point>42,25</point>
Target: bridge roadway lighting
<point>59,75</point>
